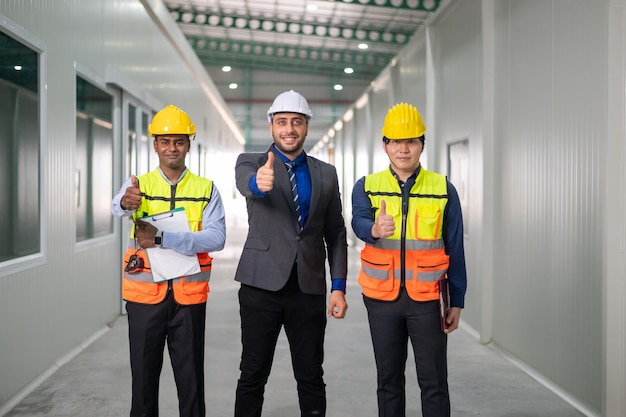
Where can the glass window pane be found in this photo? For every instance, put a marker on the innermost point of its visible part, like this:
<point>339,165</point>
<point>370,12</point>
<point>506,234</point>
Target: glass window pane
<point>94,161</point>
<point>19,160</point>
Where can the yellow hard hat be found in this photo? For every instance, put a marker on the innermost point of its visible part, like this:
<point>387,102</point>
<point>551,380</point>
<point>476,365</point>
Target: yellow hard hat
<point>171,120</point>
<point>403,121</point>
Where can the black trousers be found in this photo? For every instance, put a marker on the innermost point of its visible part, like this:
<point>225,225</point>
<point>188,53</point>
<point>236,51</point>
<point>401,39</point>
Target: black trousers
<point>149,327</point>
<point>263,313</point>
<point>392,324</point>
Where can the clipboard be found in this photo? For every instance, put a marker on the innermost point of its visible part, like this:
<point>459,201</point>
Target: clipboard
<point>444,302</point>
<point>167,263</point>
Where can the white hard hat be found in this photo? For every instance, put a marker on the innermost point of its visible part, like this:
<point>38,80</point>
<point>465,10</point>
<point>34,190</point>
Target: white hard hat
<point>289,102</point>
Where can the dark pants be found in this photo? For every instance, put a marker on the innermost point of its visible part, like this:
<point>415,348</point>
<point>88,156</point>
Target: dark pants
<point>263,313</point>
<point>149,326</point>
<point>392,324</point>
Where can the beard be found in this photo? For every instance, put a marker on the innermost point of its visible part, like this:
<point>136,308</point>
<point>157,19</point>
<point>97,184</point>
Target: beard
<point>291,148</point>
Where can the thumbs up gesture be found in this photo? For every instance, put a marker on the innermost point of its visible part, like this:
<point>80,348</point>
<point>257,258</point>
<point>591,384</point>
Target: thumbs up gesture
<point>384,226</point>
<point>265,174</point>
<point>132,196</point>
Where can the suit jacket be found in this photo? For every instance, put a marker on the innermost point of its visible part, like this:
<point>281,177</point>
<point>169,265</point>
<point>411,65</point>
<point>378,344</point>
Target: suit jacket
<point>274,239</point>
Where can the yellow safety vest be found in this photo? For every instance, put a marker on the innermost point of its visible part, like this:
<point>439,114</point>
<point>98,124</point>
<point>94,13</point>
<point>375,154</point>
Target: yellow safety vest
<point>414,256</point>
<point>192,193</point>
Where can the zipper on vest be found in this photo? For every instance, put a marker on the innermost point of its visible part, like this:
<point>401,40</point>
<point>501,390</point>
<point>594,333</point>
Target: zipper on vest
<point>173,197</point>
<point>172,207</point>
<point>405,210</point>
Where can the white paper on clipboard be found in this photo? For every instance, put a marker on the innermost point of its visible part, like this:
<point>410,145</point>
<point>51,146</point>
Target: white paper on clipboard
<point>167,263</point>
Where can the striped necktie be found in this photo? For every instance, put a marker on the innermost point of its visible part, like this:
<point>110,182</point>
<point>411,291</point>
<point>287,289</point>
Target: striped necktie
<point>294,189</point>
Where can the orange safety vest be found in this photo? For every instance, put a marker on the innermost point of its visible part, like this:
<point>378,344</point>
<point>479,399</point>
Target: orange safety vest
<point>192,193</point>
<point>414,256</point>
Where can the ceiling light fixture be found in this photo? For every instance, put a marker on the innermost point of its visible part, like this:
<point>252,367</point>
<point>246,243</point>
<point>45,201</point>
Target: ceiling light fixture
<point>363,46</point>
<point>226,68</point>
<point>338,87</point>
<point>233,86</point>
<point>311,7</point>
<point>17,67</point>
<point>348,70</point>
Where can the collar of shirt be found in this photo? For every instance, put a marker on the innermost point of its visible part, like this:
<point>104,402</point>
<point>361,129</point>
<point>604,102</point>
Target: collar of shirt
<point>410,180</point>
<point>298,162</point>
<point>179,178</point>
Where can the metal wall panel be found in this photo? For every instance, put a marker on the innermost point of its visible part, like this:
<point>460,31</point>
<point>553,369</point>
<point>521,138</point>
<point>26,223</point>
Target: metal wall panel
<point>551,109</point>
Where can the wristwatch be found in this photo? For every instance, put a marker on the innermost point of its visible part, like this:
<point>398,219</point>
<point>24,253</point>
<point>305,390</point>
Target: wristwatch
<point>158,240</point>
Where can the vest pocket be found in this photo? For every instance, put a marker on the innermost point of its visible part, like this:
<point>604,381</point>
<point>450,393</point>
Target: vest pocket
<point>194,288</point>
<point>427,222</point>
<point>431,268</point>
<point>376,271</point>
<point>139,288</point>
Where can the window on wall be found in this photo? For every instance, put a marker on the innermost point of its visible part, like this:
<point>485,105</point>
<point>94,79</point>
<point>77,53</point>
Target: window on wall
<point>145,150</point>
<point>93,177</point>
<point>20,192</point>
<point>458,174</point>
<point>131,155</point>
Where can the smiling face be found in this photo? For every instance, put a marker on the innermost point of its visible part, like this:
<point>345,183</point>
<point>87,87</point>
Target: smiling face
<point>172,151</point>
<point>404,156</point>
<point>289,131</point>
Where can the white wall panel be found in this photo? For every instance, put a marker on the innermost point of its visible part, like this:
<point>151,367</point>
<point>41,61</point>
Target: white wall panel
<point>551,107</point>
<point>380,100</point>
<point>348,144</point>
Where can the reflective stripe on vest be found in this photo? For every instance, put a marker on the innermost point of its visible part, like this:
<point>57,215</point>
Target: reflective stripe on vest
<point>193,193</point>
<point>410,244</point>
<point>420,234</point>
<point>426,276</point>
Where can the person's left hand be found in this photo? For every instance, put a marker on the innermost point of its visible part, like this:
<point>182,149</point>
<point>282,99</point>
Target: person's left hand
<point>337,305</point>
<point>144,233</point>
<point>452,319</point>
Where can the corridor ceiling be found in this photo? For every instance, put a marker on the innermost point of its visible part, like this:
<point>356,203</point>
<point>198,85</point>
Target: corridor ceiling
<point>307,45</point>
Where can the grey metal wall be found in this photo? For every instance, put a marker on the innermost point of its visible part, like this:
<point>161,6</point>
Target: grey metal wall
<point>49,311</point>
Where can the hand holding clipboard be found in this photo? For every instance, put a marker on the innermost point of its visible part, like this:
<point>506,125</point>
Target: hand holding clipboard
<point>449,316</point>
<point>167,263</point>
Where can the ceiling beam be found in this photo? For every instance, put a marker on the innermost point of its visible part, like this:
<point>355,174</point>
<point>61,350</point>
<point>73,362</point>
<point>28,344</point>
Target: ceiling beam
<point>366,65</point>
<point>394,36</point>
<point>422,5</point>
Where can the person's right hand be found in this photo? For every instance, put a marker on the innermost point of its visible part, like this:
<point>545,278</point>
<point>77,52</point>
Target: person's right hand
<point>132,196</point>
<point>384,226</point>
<point>265,174</point>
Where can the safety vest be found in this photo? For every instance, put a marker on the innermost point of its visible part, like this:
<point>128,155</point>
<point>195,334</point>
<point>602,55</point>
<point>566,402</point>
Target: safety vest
<point>414,256</point>
<point>192,193</point>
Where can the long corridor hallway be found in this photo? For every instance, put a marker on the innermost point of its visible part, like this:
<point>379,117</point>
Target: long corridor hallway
<point>96,382</point>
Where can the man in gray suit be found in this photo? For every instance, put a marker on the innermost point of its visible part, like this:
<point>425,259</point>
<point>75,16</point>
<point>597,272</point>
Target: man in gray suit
<point>295,221</point>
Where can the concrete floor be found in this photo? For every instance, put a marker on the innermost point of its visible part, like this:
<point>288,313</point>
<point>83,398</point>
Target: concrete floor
<point>96,383</point>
